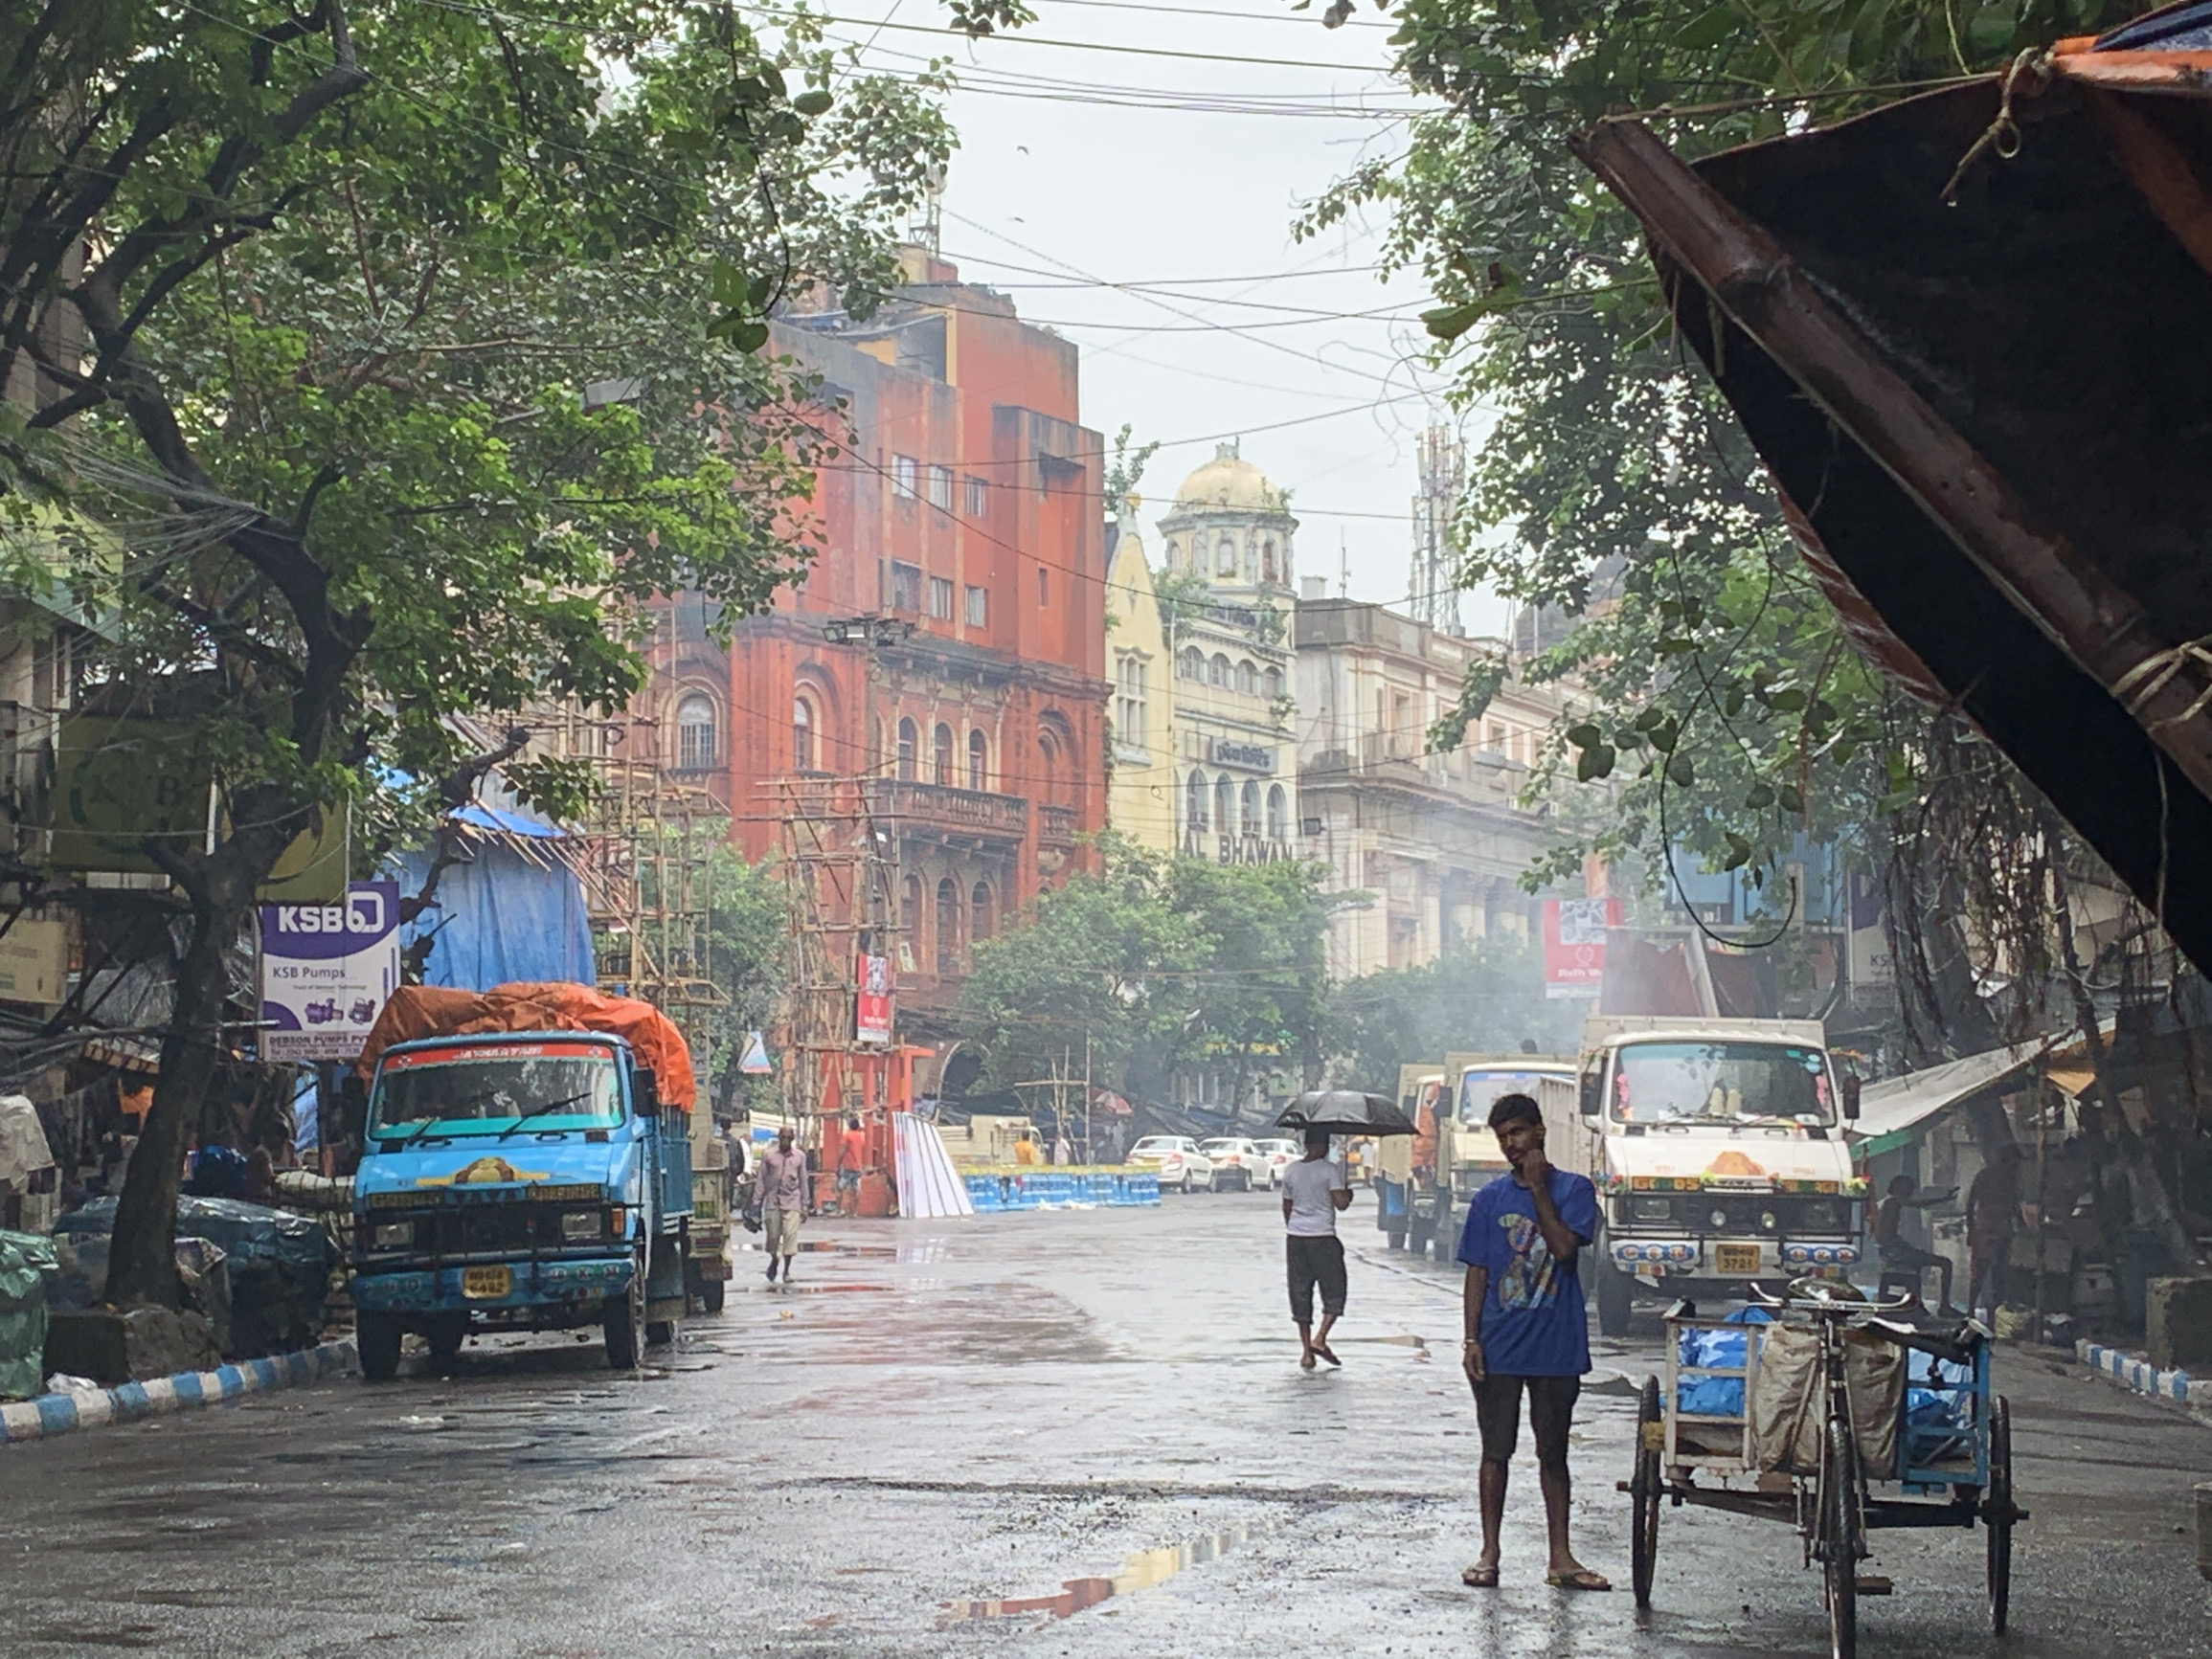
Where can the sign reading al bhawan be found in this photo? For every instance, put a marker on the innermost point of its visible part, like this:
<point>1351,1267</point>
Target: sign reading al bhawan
<point>327,971</point>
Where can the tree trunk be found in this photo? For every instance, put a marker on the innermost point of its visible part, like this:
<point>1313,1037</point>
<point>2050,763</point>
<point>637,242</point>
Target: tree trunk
<point>142,1255</point>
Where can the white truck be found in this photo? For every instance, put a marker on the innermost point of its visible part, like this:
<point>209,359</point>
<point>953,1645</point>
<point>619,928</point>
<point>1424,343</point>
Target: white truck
<point>1717,1149</point>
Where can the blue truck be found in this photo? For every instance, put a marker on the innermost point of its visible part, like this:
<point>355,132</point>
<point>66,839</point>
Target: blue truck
<point>519,1181</point>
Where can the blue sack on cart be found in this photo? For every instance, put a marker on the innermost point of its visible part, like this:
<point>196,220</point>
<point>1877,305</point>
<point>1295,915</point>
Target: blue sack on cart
<point>1724,1349</point>
<point>1939,1408</point>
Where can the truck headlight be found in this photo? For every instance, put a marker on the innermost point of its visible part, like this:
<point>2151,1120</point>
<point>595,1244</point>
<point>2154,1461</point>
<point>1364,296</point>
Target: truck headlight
<point>1652,1210</point>
<point>391,1235</point>
<point>580,1224</point>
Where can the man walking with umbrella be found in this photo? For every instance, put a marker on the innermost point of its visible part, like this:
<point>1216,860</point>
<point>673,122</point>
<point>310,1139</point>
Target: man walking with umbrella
<point>1525,1328</point>
<point>1314,1190</point>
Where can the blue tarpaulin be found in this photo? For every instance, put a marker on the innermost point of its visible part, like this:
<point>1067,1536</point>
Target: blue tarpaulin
<point>503,916</point>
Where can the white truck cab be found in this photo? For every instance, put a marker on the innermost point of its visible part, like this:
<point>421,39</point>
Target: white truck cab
<point>1717,1149</point>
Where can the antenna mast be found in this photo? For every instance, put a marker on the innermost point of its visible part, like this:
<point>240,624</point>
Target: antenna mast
<point>1433,595</point>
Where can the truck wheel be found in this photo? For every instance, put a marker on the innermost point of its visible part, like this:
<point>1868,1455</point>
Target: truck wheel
<point>710,1296</point>
<point>1615,1296</point>
<point>625,1323</point>
<point>376,1339</point>
<point>660,1332</point>
<point>446,1334</point>
<point>1397,1241</point>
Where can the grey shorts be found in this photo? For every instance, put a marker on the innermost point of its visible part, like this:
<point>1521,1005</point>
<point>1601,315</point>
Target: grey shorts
<point>781,1229</point>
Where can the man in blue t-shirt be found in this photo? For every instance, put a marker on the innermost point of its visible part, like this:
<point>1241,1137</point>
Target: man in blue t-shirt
<point>1526,1327</point>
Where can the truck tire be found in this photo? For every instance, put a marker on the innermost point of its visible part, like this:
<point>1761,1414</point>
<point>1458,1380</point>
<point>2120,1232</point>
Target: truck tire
<point>376,1340</point>
<point>710,1296</point>
<point>1615,1296</point>
<point>446,1334</point>
<point>660,1332</point>
<point>625,1323</point>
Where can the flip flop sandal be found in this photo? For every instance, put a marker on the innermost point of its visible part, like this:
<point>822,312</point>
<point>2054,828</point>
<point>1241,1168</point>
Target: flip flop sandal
<point>1584,1579</point>
<point>1328,1353</point>
<point>1478,1577</point>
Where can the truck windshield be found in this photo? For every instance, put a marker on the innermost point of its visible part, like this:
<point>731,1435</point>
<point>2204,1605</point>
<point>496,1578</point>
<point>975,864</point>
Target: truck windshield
<point>1722,1082</point>
<point>1479,1090</point>
<point>446,1093</point>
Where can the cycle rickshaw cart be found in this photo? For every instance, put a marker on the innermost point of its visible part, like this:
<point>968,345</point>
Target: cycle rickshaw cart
<point>1838,1416</point>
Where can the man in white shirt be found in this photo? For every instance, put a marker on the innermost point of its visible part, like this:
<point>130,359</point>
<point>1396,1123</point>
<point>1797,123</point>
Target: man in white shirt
<point>1314,1190</point>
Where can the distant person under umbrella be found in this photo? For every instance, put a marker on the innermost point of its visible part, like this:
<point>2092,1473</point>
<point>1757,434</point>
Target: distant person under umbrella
<point>1314,1190</point>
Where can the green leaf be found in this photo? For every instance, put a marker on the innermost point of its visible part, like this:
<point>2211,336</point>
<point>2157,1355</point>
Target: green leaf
<point>1680,771</point>
<point>1789,700</point>
<point>1450,322</point>
<point>1733,701</point>
<point>1761,798</point>
<point>1583,736</point>
<point>1709,29</point>
<point>1664,736</point>
<point>1739,852</point>
<point>814,102</point>
<point>1791,798</point>
<point>1594,762</point>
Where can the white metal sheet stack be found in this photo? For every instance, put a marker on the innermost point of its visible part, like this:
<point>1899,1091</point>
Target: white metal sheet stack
<point>929,1187</point>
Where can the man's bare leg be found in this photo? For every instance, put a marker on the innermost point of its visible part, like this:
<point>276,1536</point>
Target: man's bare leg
<point>1493,1494</point>
<point>1557,1489</point>
<point>1306,1360</point>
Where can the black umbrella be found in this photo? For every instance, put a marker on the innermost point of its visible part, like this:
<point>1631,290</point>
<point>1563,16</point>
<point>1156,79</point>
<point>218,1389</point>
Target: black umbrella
<point>1345,1112</point>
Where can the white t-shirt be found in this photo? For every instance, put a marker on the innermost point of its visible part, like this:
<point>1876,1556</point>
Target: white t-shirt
<point>1307,1185</point>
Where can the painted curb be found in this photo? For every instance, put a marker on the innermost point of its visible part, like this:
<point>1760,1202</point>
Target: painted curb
<point>53,1414</point>
<point>2132,1371</point>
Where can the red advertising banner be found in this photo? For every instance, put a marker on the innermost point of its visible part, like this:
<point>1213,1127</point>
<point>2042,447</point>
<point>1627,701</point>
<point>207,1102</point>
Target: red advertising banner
<point>1574,945</point>
<point>871,1006</point>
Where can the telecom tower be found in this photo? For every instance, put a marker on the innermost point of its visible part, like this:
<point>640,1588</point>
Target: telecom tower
<point>1433,595</point>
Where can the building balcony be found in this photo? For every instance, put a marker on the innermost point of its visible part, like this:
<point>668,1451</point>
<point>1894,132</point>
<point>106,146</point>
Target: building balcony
<point>957,816</point>
<point>1056,825</point>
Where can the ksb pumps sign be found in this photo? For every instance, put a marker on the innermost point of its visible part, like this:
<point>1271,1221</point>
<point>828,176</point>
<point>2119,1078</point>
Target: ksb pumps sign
<point>327,971</point>
<point>1574,945</point>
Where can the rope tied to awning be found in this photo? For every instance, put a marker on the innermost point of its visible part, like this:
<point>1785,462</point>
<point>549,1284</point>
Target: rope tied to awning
<point>2140,685</point>
<point>2001,135</point>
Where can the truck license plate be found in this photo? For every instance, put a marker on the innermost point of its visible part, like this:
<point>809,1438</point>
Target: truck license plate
<point>486,1282</point>
<point>1736,1258</point>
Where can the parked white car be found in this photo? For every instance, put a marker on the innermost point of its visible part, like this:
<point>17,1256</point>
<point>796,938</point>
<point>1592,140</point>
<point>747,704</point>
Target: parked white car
<point>1237,1164</point>
<point>1182,1167</point>
<point>1279,1155</point>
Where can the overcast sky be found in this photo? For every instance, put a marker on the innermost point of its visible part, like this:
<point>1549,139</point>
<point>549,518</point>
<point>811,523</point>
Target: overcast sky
<point>1081,166</point>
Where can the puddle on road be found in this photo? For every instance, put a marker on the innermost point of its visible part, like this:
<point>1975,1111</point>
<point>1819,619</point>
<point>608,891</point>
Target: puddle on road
<point>828,1287</point>
<point>1140,1572</point>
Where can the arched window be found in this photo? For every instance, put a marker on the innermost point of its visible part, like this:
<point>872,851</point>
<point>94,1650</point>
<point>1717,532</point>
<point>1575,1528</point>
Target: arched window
<point>980,911</point>
<point>941,746</point>
<point>1174,554</point>
<point>910,911</point>
<point>1194,802</point>
<point>907,740</point>
<point>694,733</point>
<point>978,760</point>
<point>1271,683</point>
<point>1218,671</point>
<point>1224,806</point>
<point>1225,555</point>
<point>948,927</point>
<point>803,748</point>
<point>1278,814</point>
<point>1190,663</point>
<point>1248,677</point>
<point>1250,805</point>
<point>1048,767</point>
<point>1267,560</point>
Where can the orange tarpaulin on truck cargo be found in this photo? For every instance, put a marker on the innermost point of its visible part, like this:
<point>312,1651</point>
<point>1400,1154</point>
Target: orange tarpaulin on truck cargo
<point>429,1011</point>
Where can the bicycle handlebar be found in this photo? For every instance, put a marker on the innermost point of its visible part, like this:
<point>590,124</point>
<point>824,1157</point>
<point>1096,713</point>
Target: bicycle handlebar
<point>1826,1304</point>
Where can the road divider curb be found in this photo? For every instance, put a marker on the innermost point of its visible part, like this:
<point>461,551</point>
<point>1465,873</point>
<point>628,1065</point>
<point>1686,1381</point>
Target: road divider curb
<point>991,1193</point>
<point>53,1414</point>
<point>2135,1371</point>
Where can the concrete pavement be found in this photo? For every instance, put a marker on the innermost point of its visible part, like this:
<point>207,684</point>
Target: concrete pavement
<point>950,1434</point>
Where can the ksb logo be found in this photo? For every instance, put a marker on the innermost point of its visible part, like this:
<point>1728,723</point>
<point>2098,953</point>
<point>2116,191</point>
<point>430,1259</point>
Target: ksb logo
<point>360,913</point>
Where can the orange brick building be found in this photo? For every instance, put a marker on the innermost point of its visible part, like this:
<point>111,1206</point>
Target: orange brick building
<point>968,506</point>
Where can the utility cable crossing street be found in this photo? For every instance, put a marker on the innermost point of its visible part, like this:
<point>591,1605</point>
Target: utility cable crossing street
<point>1066,1433</point>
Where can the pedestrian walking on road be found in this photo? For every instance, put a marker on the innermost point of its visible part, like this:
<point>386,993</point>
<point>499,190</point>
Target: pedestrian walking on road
<point>852,1158</point>
<point>1992,1213</point>
<point>1526,1332</point>
<point>1314,1190</point>
<point>782,1201</point>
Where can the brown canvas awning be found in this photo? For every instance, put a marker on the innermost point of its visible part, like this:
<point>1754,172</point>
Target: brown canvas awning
<point>1990,416</point>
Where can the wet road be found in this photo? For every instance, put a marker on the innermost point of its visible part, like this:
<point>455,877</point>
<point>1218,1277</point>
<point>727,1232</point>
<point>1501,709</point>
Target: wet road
<point>949,1436</point>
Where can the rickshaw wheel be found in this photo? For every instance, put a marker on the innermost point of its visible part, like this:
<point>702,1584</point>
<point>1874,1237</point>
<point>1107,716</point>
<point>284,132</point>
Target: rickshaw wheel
<point>1644,1491</point>
<point>1840,1532</point>
<point>1996,1512</point>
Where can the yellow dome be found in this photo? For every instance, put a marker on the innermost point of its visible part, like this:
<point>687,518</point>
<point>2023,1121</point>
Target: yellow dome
<point>1229,481</point>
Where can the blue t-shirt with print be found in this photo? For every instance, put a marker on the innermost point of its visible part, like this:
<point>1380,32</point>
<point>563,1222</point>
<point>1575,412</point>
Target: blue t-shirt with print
<point>1533,1323</point>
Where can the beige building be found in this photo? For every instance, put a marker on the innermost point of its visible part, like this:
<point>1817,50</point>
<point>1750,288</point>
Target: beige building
<point>1140,796</point>
<point>1227,564</point>
<point>1439,840</point>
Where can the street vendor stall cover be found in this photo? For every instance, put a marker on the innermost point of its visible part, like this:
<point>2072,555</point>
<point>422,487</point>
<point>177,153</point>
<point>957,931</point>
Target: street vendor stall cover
<point>1969,335</point>
<point>428,1011</point>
